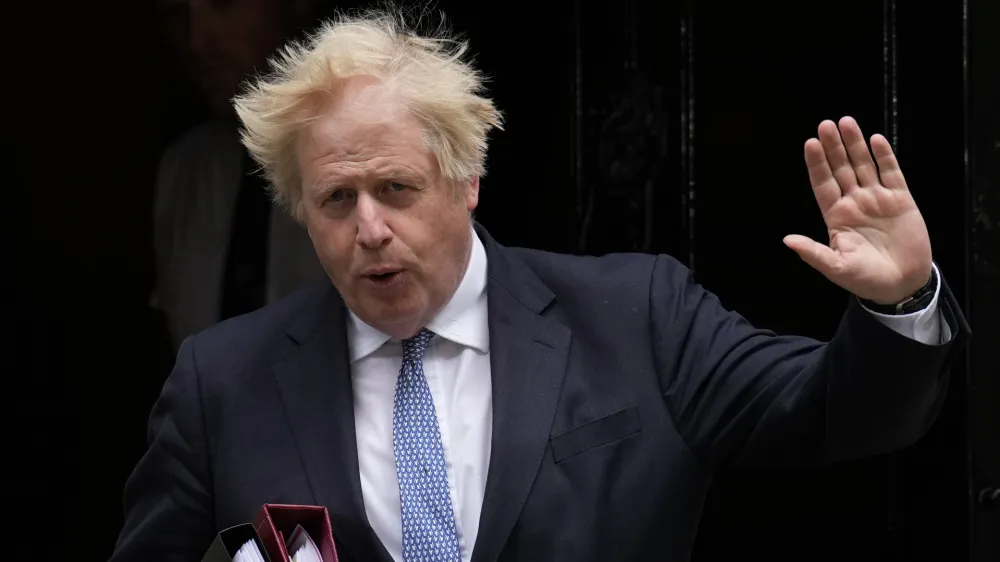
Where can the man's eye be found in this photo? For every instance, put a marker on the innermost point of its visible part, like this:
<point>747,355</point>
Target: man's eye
<point>339,195</point>
<point>396,186</point>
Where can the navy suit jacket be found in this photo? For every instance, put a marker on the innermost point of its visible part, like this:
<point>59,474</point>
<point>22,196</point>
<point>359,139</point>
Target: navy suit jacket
<point>619,387</point>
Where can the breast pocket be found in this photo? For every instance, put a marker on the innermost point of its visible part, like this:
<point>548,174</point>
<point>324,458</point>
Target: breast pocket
<point>596,433</point>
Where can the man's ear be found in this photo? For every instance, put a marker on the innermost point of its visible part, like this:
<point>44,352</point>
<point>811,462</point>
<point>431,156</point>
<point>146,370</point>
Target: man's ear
<point>470,193</point>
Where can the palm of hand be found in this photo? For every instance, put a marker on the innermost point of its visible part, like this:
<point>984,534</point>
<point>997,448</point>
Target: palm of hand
<point>879,248</point>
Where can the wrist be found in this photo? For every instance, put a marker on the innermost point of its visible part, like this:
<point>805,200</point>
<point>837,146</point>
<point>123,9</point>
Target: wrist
<point>915,302</point>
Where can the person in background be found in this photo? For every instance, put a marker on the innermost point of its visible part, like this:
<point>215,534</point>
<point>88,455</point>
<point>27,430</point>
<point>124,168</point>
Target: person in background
<point>221,247</point>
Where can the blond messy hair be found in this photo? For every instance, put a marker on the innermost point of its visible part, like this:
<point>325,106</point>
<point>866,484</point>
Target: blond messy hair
<point>428,73</point>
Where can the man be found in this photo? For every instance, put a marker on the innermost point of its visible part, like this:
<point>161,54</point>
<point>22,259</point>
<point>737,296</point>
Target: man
<point>222,249</point>
<point>449,398</point>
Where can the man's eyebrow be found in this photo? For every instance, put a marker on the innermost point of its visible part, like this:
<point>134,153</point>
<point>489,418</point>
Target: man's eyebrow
<point>403,174</point>
<point>324,189</point>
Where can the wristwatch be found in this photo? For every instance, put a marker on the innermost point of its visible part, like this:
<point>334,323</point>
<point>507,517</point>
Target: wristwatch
<point>914,303</point>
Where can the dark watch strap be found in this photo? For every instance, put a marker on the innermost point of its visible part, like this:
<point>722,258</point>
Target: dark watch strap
<point>914,303</point>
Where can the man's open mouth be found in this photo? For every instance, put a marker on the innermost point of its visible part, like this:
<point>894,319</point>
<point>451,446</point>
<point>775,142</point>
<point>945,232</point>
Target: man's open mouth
<point>384,277</point>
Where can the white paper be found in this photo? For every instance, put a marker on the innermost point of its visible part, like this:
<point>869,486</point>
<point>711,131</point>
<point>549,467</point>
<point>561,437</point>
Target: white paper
<point>249,553</point>
<point>301,547</point>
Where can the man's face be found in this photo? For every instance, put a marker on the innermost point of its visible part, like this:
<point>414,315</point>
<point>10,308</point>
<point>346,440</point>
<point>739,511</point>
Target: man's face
<point>393,234</point>
<point>222,42</point>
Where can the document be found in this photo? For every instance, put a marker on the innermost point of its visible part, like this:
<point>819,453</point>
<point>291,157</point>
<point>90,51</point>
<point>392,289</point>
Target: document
<point>279,533</point>
<point>249,552</point>
<point>300,547</point>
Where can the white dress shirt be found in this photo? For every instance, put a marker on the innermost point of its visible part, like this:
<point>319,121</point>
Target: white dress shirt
<point>457,367</point>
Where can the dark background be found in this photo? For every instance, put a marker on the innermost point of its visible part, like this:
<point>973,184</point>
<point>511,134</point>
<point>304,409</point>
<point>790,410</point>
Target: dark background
<point>671,127</point>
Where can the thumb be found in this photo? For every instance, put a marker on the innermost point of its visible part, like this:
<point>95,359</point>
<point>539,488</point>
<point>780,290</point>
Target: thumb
<point>817,255</point>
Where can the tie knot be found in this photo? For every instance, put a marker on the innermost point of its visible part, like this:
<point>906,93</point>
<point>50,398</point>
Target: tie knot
<point>413,348</point>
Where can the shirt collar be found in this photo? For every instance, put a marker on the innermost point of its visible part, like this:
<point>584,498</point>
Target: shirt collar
<point>463,319</point>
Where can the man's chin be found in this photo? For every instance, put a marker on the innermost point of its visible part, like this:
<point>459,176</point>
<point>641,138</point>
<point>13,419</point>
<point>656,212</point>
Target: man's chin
<point>399,319</point>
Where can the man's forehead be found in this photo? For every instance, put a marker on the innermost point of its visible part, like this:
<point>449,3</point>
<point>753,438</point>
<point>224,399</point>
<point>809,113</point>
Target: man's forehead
<point>362,93</point>
<point>362,103</point>
<point>363,129</point>
<point>366,124</point>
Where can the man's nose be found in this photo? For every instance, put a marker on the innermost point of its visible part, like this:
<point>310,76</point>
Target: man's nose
<point>373,232</point>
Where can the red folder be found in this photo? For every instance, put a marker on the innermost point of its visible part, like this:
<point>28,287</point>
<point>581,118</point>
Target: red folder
<point>275,522</point>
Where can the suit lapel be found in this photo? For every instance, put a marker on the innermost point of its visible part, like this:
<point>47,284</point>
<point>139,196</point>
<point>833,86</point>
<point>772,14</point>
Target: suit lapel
<point>528,360</point>
<point>314,382</point>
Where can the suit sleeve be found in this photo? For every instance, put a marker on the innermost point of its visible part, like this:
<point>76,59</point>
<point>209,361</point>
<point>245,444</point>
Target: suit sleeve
<point>168,500</point>
<point>743,396</point>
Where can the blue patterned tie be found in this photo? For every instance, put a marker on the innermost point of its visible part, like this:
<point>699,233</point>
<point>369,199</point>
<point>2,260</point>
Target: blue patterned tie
<point>429,533</point>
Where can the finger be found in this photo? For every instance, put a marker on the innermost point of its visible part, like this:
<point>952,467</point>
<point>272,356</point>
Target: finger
<point>819,256</point>
<point>824,186</point>
<point>888,167</point>
<point>857,152</point>
<point>836,155</point>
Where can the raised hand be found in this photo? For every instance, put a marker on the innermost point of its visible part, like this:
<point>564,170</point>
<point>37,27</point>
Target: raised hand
<point>879,248</point>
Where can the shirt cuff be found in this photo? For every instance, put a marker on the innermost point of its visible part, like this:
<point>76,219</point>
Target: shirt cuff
<point>926,326</point>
